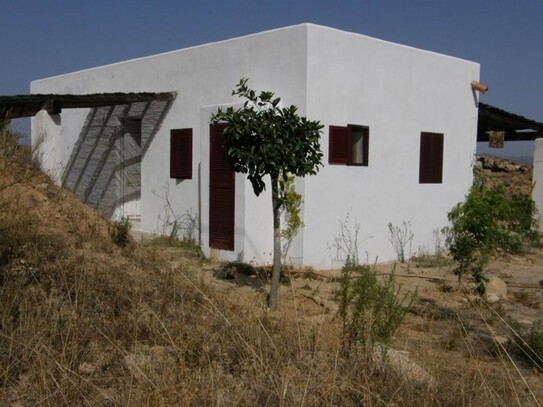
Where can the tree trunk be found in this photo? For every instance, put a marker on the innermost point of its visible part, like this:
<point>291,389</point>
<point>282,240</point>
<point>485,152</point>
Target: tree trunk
<point>276,271</point>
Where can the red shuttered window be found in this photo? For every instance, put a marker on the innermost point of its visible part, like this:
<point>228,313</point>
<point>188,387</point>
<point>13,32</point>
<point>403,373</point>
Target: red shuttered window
<point>181,153</point>
<point>349,145</point>
<point>431,158</point>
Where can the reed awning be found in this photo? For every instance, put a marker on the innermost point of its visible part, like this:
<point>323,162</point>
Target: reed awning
<point>13,107</point>
<point>514,126</point>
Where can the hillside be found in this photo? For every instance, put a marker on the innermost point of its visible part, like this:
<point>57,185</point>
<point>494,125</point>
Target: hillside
<point>86,321</point>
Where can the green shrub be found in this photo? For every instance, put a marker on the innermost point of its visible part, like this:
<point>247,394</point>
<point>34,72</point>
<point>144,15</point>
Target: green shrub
<point>522,217</point>
<point>371,311</point>
<point>487,221</point>
<point>530,344</point>
<point>119,230</point>
<point>427,260</point>
<point>293,220</point>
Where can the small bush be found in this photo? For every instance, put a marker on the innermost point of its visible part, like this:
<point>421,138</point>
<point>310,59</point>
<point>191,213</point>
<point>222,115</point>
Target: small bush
<point>293,220</point>
<point>119,231</point>
<point>400,237</point>
<point>9,142</point>
<point>238,270</point>
<point>485,222</point>
<point>371,311</point>
<point>530,344</point>
<point>189,247</point>
<point>425,259</point>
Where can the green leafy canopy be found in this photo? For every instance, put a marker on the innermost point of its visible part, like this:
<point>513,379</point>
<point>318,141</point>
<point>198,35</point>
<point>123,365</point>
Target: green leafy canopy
<point>262,138</point>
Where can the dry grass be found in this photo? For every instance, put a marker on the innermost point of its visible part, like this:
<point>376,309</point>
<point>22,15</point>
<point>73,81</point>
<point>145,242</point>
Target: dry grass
<point>84,322</point>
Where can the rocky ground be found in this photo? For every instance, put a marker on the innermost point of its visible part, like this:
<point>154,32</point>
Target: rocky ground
<point>498,172</point>
<point>85,321</point>
<point>449,326</point>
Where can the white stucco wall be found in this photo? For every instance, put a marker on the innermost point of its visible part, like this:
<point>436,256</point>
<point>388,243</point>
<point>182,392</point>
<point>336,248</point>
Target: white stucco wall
<point>398,92</point>
<point>537,192</point>
<point>336,77</point>
<point>202,76</point>
<point>46,143</point>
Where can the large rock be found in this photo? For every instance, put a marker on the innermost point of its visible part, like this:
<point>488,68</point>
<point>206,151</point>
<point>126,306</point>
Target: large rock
<point>401,364</point>
<point>495,288</point>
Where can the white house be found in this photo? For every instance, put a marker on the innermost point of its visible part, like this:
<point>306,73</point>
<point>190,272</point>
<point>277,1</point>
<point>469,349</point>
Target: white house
<point>398,143</point>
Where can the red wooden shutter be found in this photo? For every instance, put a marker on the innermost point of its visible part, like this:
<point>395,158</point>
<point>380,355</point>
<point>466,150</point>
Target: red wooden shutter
<point>338,145</point>
<point>431,158</point>
<point>181,153</point>
<point>366,147</point>
<point>222,190</point>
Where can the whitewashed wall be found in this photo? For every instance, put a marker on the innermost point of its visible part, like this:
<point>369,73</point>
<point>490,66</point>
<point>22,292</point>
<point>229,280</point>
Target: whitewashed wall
<point>537,192</point>
<point>336,77</point>
<point>398,92</point>
<point>46,143</point>
<point>202,76</point>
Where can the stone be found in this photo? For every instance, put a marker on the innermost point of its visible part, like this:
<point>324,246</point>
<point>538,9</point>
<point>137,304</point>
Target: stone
<point>401,364</point>
<point>499,165</point>
<point>502,340</point>
<point>498,340</point>
<point>491,298</point>
<point>503,166</point>
<point>525,323</point>
<point>487,162</point>
<point>496,286</point>
<point>473,299</point>
<point>86,368</point>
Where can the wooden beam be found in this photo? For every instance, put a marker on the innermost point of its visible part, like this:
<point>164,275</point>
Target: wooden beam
<point>28,105</point>
<point>479,87</point>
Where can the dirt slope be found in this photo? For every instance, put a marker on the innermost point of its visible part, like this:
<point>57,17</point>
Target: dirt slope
<point>86,322</point>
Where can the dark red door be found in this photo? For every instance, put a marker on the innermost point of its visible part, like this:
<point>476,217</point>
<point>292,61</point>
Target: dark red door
<point>222,190</point>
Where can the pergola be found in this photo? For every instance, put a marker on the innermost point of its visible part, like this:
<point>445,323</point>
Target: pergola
<point>514,127</point>
<point>13,107</point>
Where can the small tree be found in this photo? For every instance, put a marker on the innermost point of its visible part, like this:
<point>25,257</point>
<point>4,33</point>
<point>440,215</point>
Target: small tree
<point>261,139</point>
<point>293,220</point>
<point>486,221</point>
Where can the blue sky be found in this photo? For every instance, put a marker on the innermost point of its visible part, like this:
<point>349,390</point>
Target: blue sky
<point>42,38</point>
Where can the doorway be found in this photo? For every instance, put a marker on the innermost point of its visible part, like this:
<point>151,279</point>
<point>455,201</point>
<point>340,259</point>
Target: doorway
<point>222,189</point>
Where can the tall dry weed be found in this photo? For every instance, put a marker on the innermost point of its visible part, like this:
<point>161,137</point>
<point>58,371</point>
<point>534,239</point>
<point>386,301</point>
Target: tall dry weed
<point>84,322</point>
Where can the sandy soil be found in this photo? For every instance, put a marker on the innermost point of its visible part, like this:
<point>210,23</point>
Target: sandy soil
<point>448,325</point>
<point>448,328</point>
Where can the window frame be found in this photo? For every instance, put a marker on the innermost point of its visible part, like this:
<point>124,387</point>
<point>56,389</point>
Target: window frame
<point>341,145</point>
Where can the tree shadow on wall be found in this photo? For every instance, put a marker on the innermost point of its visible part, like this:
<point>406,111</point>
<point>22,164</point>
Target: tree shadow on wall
<point>104,169</point>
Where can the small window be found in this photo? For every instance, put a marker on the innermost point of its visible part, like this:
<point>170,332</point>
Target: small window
<point>181,153</point>
<point>349,145</point>
<point>431,158</point>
